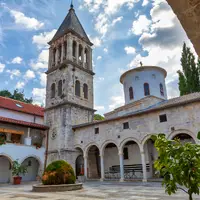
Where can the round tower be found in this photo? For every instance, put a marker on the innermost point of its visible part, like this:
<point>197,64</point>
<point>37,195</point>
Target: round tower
<point>144,81</point>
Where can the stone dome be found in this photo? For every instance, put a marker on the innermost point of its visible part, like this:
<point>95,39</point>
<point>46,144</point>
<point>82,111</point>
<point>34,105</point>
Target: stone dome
<point>144,81</point>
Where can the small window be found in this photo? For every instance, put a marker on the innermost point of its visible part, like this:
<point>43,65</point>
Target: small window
<point>126,125</point>
<point>74,48</point>
<point>131,96</point>
<point>153,76</point>
<point>53,90</point>
<point>161,89</point>
<point>85,91</point>
<point>137,78</point>
<point>60,88</point>
<point>77,88</point>
<point>96,130</point>
<point>125,153</point>
<point>146,89</point>
<point>163,118</point>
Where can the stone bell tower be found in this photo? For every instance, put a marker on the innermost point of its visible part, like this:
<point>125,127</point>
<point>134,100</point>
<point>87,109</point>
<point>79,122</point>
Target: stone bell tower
<point>69,91</point>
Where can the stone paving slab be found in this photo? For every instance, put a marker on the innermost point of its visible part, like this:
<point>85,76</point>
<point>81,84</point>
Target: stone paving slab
<point>94,191</point>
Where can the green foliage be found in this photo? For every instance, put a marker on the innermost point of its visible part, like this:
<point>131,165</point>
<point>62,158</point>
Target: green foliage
<point>198,135</point>
<point>189,77</point>
<point>98,117</point>
<point>59,172</point>
<point>18,169</point>
<point>179,164</point>
<point>16,95</point>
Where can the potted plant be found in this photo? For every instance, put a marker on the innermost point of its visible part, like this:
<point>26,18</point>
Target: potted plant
<point>17,170</point>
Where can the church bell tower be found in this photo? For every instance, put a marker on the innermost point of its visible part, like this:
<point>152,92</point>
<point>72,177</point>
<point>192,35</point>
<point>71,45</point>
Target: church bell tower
<point>69,90</point>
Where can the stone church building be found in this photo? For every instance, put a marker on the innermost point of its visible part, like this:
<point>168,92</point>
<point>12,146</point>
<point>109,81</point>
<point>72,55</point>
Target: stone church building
<point>118,147</point>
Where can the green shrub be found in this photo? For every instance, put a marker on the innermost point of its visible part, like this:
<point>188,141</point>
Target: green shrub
<point>58,172</point>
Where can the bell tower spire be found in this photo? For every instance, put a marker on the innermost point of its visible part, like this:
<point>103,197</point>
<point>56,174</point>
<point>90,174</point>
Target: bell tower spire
<point>71,6</point>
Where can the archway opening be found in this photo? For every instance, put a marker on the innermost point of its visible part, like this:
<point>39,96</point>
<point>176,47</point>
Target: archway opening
<point>32,165</point>
<point>151,155</point>
<point>94,166</point>
<point>132,161</point>
<point>79,163</point>
<point>184,137</point>
<point>111,162</point>
<point>5,169</point>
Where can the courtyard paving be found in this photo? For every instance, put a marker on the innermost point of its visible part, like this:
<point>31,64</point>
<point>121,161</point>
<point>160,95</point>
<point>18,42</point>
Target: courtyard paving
<point>94,191</point>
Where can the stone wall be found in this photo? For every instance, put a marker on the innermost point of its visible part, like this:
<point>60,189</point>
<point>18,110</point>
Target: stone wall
<point>188,12</point>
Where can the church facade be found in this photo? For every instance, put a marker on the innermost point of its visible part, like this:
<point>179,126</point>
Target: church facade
<point>119,147</point>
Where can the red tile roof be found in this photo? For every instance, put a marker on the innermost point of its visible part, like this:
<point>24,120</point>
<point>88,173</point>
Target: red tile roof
<point>23,123</point>
<point>21,107</point>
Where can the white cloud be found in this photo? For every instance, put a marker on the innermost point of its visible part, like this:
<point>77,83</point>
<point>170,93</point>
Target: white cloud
<point>43,79</point>
<point>141,25</point>
<point>101,24</point>
<point>13,73</point>
<point>96,41</point>
<point>99,108</point>
<point>130,50</point>
<point>42,39</point>
<point>29,75</point>
<point>41,62</point>
<point>145,2</point>
<point>20,85</point>
<point>118,19</point>
<point>99,57</point>
<point>116,101</point>
<point>17,60</point>
<point>2,67</point>
<point>105,50</point>
<point>26,22</point>
<point>39,95</point>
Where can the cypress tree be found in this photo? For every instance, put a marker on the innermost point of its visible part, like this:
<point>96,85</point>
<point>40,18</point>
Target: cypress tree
<point>189,77</point>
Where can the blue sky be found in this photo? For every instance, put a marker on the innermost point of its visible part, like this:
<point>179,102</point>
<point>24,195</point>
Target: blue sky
<point>124,32</point>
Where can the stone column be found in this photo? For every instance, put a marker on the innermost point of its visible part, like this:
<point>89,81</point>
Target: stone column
<point>57,55</point>
<point>77,52</point>
<point>90,59</point>
<point>69,49</point>
<point>50,57</point>
<point>62,52</point>
<point>144,169</point>
<point>121,160</point>
<point>102,167</point>
<point>85,166</point>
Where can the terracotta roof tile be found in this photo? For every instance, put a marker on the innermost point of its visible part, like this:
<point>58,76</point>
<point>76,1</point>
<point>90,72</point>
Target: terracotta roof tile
<point>21,107</point>
<point>23,123</point>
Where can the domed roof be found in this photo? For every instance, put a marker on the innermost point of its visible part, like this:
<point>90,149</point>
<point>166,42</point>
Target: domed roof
<point>143,68</point>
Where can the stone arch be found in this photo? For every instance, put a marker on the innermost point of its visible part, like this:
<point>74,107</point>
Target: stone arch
<point>87,148</point>
<point>78,88</point>
<point>34,168</point>
<point>74,46</point>
<point>80,53</point>
<point>5,168</point>
<point>60,88</point>
<point>103,146</point>
<point>121,146</point>
<point>79,161</point>
<point>53,90</point>
<point>183,131</point>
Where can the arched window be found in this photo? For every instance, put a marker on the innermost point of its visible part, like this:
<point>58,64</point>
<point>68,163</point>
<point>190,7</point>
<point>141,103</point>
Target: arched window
<point>59,53</point>
<point>80,52</point>
<point>60,88</point>
<point>53,89</point>
<point>85,91</point>
<point>74,49</point>
<point>146,89</point>
<point>131,93</point>
<point>161,89</point>
<point>86,56</point>
<point>54,56</point>
<point>77,88</point>
<point>65,50</point>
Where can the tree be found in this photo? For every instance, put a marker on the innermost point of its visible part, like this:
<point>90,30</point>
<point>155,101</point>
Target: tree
<point>189,77</point>
<point>98,117</point>
<point>179,164</point>
<point>16,95</point>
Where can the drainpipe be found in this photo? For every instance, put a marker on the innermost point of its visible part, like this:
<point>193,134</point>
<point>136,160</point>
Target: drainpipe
<point>47,147</point>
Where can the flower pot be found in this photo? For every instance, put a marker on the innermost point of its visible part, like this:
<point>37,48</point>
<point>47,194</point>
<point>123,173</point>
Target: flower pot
<point>17,180</point>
